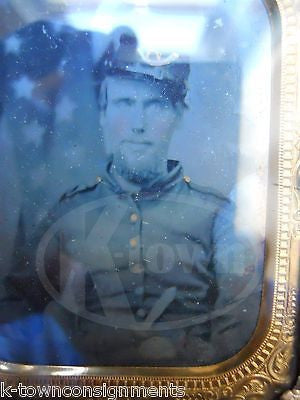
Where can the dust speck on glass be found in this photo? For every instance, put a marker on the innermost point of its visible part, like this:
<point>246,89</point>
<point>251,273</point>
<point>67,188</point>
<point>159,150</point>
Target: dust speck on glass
<point>131,139</point>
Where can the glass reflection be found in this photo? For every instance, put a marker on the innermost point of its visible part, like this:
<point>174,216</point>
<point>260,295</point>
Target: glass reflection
<point>159,260</point>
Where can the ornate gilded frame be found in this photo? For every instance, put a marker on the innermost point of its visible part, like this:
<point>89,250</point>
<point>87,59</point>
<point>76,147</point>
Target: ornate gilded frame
<point>263,368</point>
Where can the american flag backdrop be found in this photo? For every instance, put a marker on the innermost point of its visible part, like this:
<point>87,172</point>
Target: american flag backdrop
<point>48,110</point>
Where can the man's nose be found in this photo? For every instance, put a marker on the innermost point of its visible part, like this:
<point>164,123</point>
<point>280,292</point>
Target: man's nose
<point>139,121</point>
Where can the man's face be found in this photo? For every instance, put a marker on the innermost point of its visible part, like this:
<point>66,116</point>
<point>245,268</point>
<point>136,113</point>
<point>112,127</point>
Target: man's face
<point>138,122</point>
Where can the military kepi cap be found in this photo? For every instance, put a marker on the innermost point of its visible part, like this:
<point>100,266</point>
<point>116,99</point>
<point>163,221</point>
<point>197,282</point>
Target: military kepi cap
<point>127,60</point>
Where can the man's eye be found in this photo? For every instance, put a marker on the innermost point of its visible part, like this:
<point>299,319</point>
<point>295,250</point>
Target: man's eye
<point>157,104</point>
<point>124,102</point>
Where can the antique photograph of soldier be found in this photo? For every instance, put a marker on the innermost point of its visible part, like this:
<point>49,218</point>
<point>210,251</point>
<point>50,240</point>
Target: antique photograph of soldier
<point>133,269</point>
<point>135,245</point>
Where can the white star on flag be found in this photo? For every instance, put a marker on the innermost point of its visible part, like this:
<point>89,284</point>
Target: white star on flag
<point>24,87</point>
<point>218,23</point>
<point>13,45</point>
<point>64,109</point>
<point>33,133</point>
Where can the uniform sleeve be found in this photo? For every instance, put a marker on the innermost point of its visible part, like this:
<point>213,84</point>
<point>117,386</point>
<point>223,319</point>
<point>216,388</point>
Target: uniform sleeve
<point>238,264</point>
<point>23,291</point>
<point>29,331</point>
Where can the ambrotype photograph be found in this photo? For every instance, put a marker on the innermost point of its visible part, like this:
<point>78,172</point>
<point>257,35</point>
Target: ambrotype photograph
<point>134,171</point>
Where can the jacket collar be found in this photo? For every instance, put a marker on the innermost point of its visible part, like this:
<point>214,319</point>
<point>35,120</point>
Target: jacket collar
<point>156,187</point>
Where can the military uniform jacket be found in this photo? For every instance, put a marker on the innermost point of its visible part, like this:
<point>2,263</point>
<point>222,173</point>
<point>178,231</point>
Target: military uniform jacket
<point>142,278</point>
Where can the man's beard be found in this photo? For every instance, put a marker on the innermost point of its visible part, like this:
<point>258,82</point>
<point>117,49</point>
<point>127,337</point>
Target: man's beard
<point>142,173</point>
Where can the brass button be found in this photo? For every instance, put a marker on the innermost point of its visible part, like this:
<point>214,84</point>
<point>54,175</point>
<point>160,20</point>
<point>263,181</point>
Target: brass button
<point>187,179</point>
<point>141,313</point>
<point>133,242</point>
<point>137,268</point>
<point>98,179</point>
<point>134,217</point>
